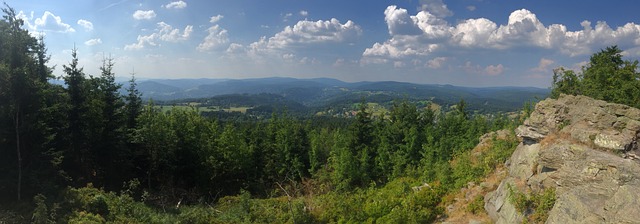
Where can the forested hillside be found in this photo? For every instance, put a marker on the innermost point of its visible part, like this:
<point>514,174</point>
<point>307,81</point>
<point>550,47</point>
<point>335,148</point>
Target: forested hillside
<point>318,94</point>
<point>83,153</point>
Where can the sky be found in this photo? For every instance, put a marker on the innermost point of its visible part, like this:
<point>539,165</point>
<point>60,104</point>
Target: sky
<point>460,42</point>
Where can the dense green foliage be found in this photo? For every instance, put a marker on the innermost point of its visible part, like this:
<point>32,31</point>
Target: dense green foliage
<point>535,206</point>
<point>83,153</point>
<point>606,77</point>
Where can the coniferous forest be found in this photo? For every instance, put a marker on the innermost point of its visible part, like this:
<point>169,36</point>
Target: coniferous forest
<point>83,152</point>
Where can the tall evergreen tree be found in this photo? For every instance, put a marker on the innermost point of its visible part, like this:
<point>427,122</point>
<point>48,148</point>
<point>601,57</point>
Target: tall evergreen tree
<point>24,76</point>
<point>133,102</point>
<point>79,160</point>
<point>110,139</point>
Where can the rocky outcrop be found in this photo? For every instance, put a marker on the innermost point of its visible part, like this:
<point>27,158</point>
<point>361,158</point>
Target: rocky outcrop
<point>583,148</point>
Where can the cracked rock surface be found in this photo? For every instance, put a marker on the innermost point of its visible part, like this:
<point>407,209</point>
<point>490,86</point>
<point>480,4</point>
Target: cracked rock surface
<point>585,149</point>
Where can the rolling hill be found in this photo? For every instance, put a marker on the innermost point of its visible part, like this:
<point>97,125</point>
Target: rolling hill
<point>326,92</point>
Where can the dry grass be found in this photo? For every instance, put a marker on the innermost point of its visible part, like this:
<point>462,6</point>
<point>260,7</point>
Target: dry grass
<point>463,198</point>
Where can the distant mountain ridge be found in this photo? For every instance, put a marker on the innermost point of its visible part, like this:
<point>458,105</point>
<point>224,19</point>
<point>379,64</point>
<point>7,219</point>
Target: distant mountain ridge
<point>320,92</point>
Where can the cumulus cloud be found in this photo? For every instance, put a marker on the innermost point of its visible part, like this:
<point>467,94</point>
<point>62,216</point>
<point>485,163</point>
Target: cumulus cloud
<point>216,38</point>
<point>167,33</point>
<point>436,7</point>
<point>399,22</point>
<point>146,15</point>
<point>294,44</point>
<point>143,41</point>
<point>304,13</point>
<point>48,22</point>
<point>88,26</point>
<point>305,34</point>
<point>176,5</point>
<point>400,47</point>
<point>93,42</point>
<point>163,32</point>
<point>471,8</point>
<point>427,33</point>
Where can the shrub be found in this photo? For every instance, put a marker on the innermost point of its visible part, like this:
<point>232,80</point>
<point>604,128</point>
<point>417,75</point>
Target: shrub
<point>535,206</point>
<point>477,205</point>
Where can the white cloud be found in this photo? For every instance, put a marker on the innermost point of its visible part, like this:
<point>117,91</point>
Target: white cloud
<point>285,17</point>
<point>307,60</point>
<point>304,13</point>
<point>176,5</point>
<point>289,57</point>
<point>140,15</point>
<point>93,42</point>
<point>235,48</point>
<point>494,70</point>
<point>436,7</point>
<point>436,62</point>
<point>400,47</point>
<point>471,8</point>
<point>399,64</point>
<point>167,33</point>
<point>215,19</point>
<point>473,32</point>
<point>142,41</point>
<point>88,26</point>
<point>543,65</point>
<point>399,22</point>
<point>48,22</point>
<point>216,38</point>
<point>491,70</point>
<point>427,34</point>
<point>163,32</point>
<point>632,52</point>
<point>306,34</point>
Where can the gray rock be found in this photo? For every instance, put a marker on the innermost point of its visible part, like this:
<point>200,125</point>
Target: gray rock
<point>575,145</point>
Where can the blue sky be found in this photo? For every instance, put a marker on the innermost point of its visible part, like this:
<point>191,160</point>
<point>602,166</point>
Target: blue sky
<point>459,42</point>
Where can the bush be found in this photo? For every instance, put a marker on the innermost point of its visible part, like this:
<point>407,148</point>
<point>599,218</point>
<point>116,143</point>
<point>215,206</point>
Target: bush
<point>535,206</point>
<point>477,205</point>
<point>396,202</point>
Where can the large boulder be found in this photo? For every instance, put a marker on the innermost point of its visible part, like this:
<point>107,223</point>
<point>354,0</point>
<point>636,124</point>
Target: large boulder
<point>581,148</point>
